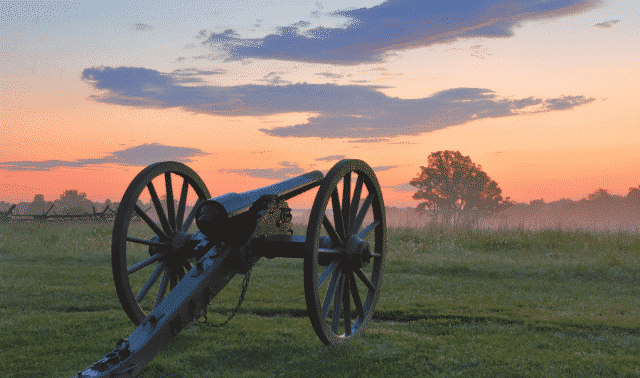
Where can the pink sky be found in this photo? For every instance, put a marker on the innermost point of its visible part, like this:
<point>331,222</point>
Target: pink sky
<point>544,99</point>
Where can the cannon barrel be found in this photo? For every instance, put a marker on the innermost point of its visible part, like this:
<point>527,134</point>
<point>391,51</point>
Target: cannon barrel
<point>213,214</point>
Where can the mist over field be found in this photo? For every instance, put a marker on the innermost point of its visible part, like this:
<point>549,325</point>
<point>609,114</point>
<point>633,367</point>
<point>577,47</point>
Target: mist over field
<point>520,216</point>
<point>612,221</point>
<point>532,221</point>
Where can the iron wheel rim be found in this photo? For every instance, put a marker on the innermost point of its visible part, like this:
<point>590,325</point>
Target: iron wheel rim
<point>342,287</point>
<point>168,231</point>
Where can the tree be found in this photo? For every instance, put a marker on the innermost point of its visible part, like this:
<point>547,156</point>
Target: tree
<point>107,203</point>
<point>456,191</point>
<point>39,206</point>
<point>72,202</point>
<point>634,195</point>
<point>603,201</point>
<point>600,195</point>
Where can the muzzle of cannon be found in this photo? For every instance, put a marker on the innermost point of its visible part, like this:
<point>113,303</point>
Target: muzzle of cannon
<point>166,275</point>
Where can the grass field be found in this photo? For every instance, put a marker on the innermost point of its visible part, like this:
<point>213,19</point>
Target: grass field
<point>503,303</point>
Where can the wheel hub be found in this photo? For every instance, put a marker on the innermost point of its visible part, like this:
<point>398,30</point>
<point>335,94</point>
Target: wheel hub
<point>357,252</point>
<point>178,239</point>
<point>176,251</point>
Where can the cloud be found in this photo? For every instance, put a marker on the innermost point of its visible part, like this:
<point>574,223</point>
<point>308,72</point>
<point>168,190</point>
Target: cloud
<point>479,51</point>
<point>139,156</point>
<point>384,168</point>
<point>342,111</point>
<point>564,102</point>
<point>373,33</point>
<point>369,140</point>
<point>380,117</point>
<point>142,27</point>
<point>607,24</point>
<point>288,170</point>
<point>196,72</point>
<point>330,75</point>
<point>331,158</point>
<point>403,188</point>
<point>274,78</point>
<point>146,154</point>
<point>191,75</point>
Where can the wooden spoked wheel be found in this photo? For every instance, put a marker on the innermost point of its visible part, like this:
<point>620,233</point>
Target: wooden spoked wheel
<point>345,251</point>
<point>143,253</point>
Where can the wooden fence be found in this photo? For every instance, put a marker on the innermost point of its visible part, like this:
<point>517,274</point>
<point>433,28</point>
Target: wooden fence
<point>106,215</point>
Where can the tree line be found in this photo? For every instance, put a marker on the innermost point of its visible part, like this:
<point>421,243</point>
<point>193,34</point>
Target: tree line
<point>71,202</point>
<point>451,189</point>
<point>455,191</point>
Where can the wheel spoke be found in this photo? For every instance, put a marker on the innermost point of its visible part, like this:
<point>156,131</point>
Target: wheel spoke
<point>158,206</point>
<point>170,206</point>
<point>327,272</point>
<point>364,279</point>
<point>355,203</point>
<point>356,296</point>
<point>145,263</point>
<point>182,203</point>
<point>152,280</point>
<point>346,207</point>
<point>337,214</point>
<point>163,287</point>
<point>330,292</point>
<point>337,303</point>
<point>191,216</point>
<point>147,242</point>
<point>151,223</point>
<point>362,213</point>
<point>174,277</point>
<point>335,238</point>
<point>368,229</point>
<point>346,305</point>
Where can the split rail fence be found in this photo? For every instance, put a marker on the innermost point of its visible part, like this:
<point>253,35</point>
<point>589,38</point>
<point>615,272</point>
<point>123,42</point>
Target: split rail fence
<point>105,215</point>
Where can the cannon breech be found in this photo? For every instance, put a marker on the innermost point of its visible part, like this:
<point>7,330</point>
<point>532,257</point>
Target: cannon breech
<point>229,215</point>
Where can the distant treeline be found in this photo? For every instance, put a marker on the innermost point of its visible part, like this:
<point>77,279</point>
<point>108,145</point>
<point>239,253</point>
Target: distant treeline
<point>70,203</point>
<point>600,202</point>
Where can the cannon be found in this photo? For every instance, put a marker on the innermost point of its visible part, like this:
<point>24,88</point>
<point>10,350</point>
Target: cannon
<point>343,250</point>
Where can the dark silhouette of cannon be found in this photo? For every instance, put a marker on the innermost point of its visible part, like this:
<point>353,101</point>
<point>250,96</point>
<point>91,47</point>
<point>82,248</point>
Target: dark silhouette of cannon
<point>343,254</point>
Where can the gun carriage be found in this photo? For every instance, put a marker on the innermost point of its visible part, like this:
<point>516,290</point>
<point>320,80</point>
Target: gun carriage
<point>343,250</point>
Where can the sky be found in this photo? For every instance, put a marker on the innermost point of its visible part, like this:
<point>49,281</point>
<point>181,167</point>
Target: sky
<point>542,94</point>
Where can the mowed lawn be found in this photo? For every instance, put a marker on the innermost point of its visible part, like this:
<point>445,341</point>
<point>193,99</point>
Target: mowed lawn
<point>454,303</point>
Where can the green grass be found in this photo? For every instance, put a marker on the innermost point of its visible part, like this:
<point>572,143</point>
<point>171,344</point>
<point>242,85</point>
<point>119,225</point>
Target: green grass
<point>470,303</point>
